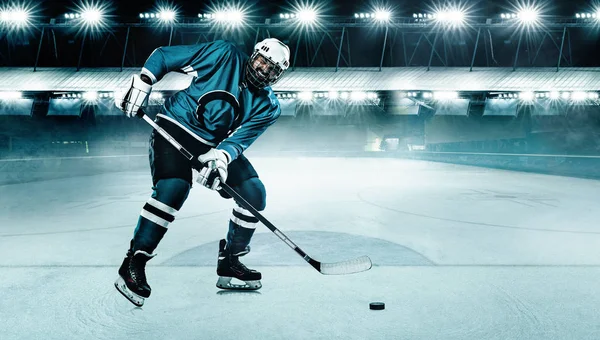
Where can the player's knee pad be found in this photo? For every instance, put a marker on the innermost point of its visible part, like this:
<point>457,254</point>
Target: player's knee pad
<point>171,191</point>
<point>253,190</point>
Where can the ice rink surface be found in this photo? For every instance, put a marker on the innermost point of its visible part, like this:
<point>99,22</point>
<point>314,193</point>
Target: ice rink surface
<point>459,253</point>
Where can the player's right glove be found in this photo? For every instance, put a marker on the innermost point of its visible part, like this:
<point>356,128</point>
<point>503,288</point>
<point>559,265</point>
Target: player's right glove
<point>214,170</point>
<point>135,98</point>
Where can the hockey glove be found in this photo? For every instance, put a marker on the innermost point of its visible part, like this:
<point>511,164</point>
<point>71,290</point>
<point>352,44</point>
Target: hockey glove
<point>214,170</point>
<point>135,98</point>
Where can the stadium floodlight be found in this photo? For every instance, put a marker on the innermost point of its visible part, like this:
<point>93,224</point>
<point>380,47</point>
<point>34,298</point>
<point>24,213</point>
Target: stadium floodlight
<point>10,95</point>
<point>307,15</point>
<point>579,96</point>
<point>229,16</point>
<point>305,96</point>
<point>528,16</point>
<point>334,95</point>
<point>565,95</point>
<point>593,95</point>
<point>89,16</point>
<point>344,95</point>
<point>526,96</point>
<point>92,16</point>
<point>358,95</point>
<point>451,17</point>
<point>445,95</point>
<point>594,15</point>
<point>15,17</point>
<point>166,15</point>
<point>382,15</point>
<point>554,95</point>
<point>90,96</point>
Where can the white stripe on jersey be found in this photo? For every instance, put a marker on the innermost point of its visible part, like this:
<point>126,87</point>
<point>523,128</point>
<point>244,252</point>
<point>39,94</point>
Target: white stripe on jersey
<point>187,69</point>
<point>200,139</point>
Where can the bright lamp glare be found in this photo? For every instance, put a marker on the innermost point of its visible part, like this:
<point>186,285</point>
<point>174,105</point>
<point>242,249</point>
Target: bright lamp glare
<point>445,95</point>
<point>358,95</point>
<point>554,95</point>
<point>528,16</point>
<point>90,96</point>
<point>579,96</point>
<point>166,15</point>
<point>92,16</point>
<point>231,16</point>
<point>451,17</point>
<point>10,95</point>
<point>526,96</point>
<point>307,15</point>
<point>383,15</point>
<point>15,16</point>
<point>237,16</point>
<point>333,95</point>
<point>306,96</point>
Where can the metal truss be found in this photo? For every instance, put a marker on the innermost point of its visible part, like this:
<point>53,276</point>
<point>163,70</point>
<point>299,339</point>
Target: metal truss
<point>400,43</point>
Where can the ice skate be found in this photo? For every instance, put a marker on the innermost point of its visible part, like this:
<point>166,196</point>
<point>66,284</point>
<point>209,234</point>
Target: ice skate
<point>229,267</point>
<point>132,277</point>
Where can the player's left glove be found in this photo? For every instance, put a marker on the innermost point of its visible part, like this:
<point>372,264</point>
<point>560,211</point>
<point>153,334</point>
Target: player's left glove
<point>214,171</point>
<point>136,97</point>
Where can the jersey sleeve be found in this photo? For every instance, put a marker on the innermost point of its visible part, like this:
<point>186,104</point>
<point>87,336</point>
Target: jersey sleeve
<point>249,131</point>
<point>195,59</point>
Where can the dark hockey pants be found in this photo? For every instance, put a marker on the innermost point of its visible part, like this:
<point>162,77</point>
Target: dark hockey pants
<point>172,179</point>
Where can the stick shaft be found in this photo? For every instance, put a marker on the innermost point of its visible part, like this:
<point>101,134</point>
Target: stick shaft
<point>238,198</point>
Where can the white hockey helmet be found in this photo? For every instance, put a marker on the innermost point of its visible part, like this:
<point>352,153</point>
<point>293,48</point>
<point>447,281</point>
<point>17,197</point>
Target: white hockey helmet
<point>267,63</point>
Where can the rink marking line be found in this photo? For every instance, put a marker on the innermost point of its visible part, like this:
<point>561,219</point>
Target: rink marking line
<point>294,265</point>
<point>505,154</point>
<point>104,228</point>
<point>61,158</point>
<point>475,223</point>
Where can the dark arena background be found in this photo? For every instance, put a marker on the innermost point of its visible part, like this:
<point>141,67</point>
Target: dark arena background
<point>455,144</point>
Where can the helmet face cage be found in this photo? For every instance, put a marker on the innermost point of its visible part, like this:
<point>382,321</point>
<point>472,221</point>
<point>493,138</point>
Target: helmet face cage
<point>259,78</point>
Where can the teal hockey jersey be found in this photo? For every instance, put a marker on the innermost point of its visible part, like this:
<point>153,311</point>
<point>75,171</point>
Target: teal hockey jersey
<point>215,66</point>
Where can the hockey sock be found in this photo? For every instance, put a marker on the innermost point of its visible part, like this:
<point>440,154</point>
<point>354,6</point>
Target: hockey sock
<point>241,228</point>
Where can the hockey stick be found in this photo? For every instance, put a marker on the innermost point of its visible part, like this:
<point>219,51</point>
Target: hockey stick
<point>356,265</point>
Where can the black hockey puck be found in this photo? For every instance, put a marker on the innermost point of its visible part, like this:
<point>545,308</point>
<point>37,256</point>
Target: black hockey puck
<point>377,305</point>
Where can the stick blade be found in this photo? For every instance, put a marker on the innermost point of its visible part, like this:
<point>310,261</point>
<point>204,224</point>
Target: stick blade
<point>356,265</point>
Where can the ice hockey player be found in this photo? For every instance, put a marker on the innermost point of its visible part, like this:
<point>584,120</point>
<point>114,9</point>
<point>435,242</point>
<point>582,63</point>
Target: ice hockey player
<point>227,106</point>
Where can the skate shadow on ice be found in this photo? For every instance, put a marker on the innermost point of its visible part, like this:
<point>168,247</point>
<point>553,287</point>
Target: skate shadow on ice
<point>235,292</point>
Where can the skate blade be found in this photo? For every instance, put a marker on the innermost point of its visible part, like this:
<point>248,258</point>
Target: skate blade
<point>225,283</point>
<point>131,296</point>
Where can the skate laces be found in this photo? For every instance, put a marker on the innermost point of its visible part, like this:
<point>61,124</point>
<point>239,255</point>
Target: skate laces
<point>236,262</point>
<point>137,268</point>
